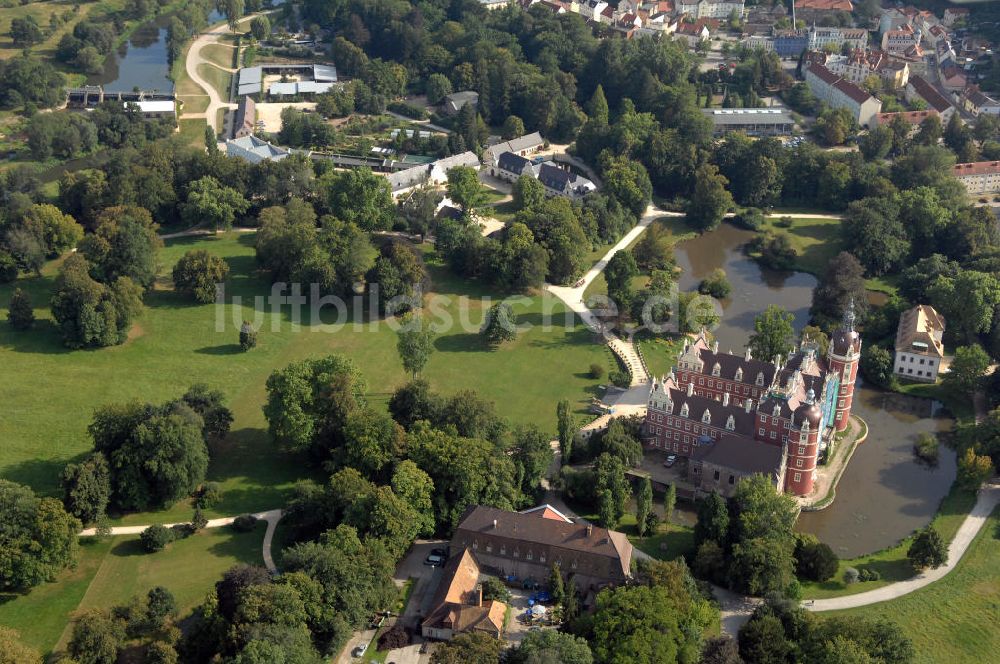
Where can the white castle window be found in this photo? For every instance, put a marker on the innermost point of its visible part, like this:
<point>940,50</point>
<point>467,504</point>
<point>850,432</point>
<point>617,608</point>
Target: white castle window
<point>731,424</point>
<point>707,417</point>
<point>739,374</point>
<point>684,410</point>
<point>776,411</point>
<point>716,370</point>
<point>760,377</point>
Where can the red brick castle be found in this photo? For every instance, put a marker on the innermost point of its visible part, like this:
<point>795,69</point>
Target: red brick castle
<point>735,416</point>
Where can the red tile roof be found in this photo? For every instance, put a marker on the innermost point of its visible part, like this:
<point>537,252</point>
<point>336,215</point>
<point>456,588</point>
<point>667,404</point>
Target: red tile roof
<point>930,94</point>
<point>825,5</point>
<point>911,117</point>
<point>976,168</point>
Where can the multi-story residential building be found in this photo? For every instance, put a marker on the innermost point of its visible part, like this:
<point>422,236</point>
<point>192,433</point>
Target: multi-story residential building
<point>979,177</point>
<point>750,121</point>
<point>919,345</point>
<point>841,93</point>
<point>562,182</point>
<point>692,33</point>
<point>919,88</point>
<point>859,64</point>
<point>712,403</point>
<point>521,146</point>
<point>526,544</point>
<point>790,43</point>
<point>821,37</point>
<point>591,9</point>
<point>954,15</point>
<point>720,9</point>
<point>902,42</point>
<point>975,102</point>
<point>759,42</point>
<point>510,167</point>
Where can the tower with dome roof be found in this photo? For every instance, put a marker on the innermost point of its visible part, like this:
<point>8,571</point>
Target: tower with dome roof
<point>842,358</point>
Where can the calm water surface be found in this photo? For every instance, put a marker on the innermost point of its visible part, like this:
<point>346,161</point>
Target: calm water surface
<point>885,493</point>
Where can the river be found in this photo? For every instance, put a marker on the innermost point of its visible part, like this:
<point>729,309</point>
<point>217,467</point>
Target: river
<point>885,493</point>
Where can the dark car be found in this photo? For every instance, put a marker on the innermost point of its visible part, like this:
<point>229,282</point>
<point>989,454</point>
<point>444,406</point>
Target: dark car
<point>440,552</point>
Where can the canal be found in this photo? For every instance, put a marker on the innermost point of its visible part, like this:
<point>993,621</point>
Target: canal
<point>885,493</point>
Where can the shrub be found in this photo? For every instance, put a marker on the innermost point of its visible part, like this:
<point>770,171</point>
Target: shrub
<point>156,538</point>
<point>596,371</point>
<point>182,530</point>
<point>716,284</point>
<point>244,523</point>
<point>620,378</point>
<point>409,110</point>
<point>209,494</point>
<point>248,336</point>
<point>868,574</point>
<point>926,448</point>
<point>751,219</point>
<point>784,222</point>
<point>20,314</point>
<point>493,588</point>
<point>198,521</point>
<point>851,575</point>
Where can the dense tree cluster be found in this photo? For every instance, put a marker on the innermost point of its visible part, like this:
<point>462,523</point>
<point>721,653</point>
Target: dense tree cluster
<point>32,233</point>
<point>146,455</point>
<point>782,631</point>
<point>146,624</point>
<point>38,540</point>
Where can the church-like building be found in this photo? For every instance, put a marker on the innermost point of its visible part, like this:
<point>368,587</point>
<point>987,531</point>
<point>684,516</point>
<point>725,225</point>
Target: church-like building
<point>733,415</point>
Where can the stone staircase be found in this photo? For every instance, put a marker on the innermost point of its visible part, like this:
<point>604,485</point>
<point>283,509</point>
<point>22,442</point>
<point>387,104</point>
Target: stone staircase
<point>630,357</point>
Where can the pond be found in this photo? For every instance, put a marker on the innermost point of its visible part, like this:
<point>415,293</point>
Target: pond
<point>885,493</point>
<point>142,61</point>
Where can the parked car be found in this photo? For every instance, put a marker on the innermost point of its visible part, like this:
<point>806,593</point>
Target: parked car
<point>439,552</point>
<point>434,561</point>
<point>360,650</point>
<point>671,460</point>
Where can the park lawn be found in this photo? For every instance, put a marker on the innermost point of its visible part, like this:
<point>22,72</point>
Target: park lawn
<point>193,104</point>
<point>218,79</point>
<point>816,241</point>
<point>174,343</point>
<point>955,619</point>
<point>42,12</point>
<point>192,132</point>
<point>41,615</point>
<point>660,353</point>
<point>218,54</point>
<point>892,562</point>
<point>188,567</point>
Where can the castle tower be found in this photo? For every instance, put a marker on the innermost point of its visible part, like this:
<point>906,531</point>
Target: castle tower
<point>843,357</point>
<point>802,450</point>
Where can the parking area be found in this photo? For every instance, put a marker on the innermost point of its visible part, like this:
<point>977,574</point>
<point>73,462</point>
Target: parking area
<point>519,605</point>
<point>653,463</point>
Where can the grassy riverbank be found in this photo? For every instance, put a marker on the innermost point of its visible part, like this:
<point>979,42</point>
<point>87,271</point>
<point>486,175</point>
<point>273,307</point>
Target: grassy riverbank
<point>954,620</point>
<point>891,563</point>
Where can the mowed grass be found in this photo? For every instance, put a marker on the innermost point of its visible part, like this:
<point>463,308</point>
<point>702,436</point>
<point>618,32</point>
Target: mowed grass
<point>892,563</point>
<point>41,614</point>
<point>954,620</point>
<point>42,13</point>
<point>218,79</point>
<point>218,54</point>
<point>194,104</point>
<point>816,240</point>
<point>50,392</point>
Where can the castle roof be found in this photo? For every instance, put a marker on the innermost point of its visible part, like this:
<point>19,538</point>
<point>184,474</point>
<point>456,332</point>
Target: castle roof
<point>742,454</point>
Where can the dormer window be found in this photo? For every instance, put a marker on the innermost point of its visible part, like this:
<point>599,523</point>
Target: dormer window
<point>739,374</point>
<point>805,426</point>
<point>731,424</point>
<point>706,418</point>
<point>776,412</point>
<point>670,407</point>
<point>760,377</point>
<point>716,370</point>
<point>684,410</point>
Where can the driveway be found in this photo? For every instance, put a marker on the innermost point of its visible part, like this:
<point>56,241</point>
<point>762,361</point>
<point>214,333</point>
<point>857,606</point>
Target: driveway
<point>425,580</point>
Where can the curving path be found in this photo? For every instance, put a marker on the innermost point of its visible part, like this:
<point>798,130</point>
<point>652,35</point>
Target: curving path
<point>272,517</point>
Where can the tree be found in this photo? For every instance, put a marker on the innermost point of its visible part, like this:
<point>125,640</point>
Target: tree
<point>713,520</point>
<point>58,232</point>
<point>39,538</point>
<point>966,301</point>
<point>876,365</point>
<point>814,334</point>
<point>360,197</point>
<point>248,336</point>
<point>97,638</point>
<point>87,487</point>
<point>198,272</point>
<point>967,369</point>
<point>710,200</point>
<point>528,192</point>
<point>762,639</point>
<point>260,27</point>
<point>549,646</point>
<point>927,550</point>
<point>720,650</point>
<point>25,32</point>
<point>156,538</point>
<point>669,502</point>
<point>468,647</point>
<point>643,503</point>
<point>415,343</point>
<point>438,87</point>
<point>875,145</point>
<point>627,181</point>
<point>974,469</point>
<point>815,560</point>
<point>564,423</point>
<point>416,488</point>
<point>513,127</point>
<point>465,188</point>
<point>773,334</point>
<point>842,283</point>
<point>158,652</point>
<point>233,10</point>
<point>930,131</point>
<point>210,203</point>
<point>761,565</point>
<point>500,325</point>
<point>716,284</point>
<point>873,230</point>
<point>90,314</point>
<point>12,651</point>
<point>124,244</point>
<point>597,107</point>
<point>20,313</point>
<point>234,583</point>
<point>620,271</point>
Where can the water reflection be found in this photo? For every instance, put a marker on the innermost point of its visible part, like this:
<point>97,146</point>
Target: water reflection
<point>140,63</point>
<point>885,493</point>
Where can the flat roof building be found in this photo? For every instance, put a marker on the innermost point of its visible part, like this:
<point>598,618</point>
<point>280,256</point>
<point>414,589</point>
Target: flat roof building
<point>751,121</point>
